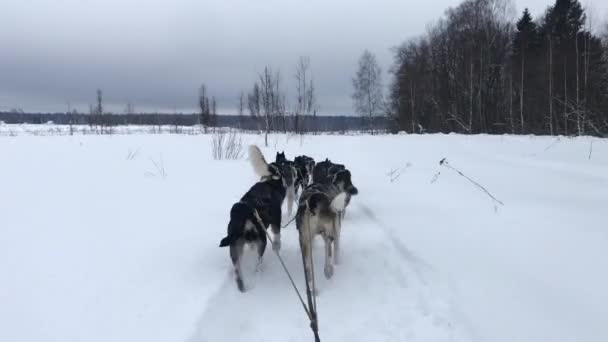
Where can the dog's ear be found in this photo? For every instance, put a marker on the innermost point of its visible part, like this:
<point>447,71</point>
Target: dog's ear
<point>339,176</point>
<point>256,158</point>
<point>280,157</point>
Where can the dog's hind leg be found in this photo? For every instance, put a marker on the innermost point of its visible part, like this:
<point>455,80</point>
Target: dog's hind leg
<point>236,252</point>
<point>276,239</point>
<point>261,248</point>
<point>275,225</point>
<point>329,267</point>
<point>338,230</point>
<point>306,248</point>
<point>291,197</point>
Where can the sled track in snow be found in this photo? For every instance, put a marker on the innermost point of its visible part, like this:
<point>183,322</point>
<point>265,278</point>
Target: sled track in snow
<point>378,292</point>
<point>421,267</point>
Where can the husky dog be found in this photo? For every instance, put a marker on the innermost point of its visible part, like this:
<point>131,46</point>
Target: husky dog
<point>319,214</point>
<point>290,175</point>
<point>327,172</point>
<point>259,208</point>
<point>304,165</point>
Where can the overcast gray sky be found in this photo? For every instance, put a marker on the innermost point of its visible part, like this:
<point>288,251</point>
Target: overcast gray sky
<point>155,53</point>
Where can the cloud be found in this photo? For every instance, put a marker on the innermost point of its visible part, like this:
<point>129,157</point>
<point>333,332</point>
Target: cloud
<point>155,54</point>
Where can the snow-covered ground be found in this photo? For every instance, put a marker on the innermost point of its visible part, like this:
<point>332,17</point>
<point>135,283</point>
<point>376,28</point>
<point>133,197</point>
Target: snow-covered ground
<point>114,238</point>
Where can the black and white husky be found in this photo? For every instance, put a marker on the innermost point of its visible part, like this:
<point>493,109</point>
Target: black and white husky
<point>259,208</point>
<point>304,166</point>
<point>327,172</point>
<point>319,214</point>
<point>290,178</point>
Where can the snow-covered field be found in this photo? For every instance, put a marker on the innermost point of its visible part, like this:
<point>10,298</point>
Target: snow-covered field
<point>114,238</point>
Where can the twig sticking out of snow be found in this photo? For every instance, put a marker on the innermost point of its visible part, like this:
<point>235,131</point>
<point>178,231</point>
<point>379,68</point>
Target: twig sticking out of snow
<point>159,166</point>
<point>551,146</point>
<point>435,177</point>
<point>132,154</point>
<point>444,162</point>
<point>394,174</point>
<point>590,148</point>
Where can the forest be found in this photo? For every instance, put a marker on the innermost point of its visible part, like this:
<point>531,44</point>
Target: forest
<point>478,71</point>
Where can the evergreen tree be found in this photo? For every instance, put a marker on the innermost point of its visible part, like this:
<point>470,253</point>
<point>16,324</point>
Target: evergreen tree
<point>525,48</point>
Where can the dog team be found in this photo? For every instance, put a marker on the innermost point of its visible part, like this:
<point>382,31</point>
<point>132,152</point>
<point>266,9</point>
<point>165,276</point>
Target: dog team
<point>325,190</point>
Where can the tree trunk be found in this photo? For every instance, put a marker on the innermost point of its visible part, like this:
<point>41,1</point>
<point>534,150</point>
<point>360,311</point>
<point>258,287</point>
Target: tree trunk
<point>412,107</point>
<point>521,92</point>
<point>511,102</point>
<point>267,130</point>
<point>578,115</point>
<point>551,86</point>
<point>587,48</point>
<point>479,94</point>
<point>471,95</point>
<point>565,96</point>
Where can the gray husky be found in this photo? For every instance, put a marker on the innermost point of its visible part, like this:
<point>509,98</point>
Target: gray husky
<point>319,214</point>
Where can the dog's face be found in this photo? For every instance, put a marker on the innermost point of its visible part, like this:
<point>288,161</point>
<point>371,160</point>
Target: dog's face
<point>310,164</point>
<point>280,158</point>
<point>342,180</point>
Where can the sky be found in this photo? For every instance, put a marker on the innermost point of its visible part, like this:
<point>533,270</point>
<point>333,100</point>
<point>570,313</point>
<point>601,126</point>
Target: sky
<point>155,54</point>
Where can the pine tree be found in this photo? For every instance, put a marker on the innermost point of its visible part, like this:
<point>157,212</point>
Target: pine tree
<point>525,44</point>
<point>562,24</point>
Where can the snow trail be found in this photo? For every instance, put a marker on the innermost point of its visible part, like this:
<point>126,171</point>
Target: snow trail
<point>376,293</point>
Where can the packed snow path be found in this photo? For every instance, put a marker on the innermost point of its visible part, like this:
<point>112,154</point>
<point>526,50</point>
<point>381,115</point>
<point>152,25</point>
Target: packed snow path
<point>375,295</point>
<point>114,238</point>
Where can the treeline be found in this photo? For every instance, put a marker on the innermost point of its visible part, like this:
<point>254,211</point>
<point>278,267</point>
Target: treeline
<point>289,123</point>
<point>477,71</point>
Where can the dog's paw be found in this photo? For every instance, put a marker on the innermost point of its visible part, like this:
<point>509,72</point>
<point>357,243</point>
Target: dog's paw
<point>240,284</point>
<point>276,245</point>
<point>329,271</point>
<point>259,267</point>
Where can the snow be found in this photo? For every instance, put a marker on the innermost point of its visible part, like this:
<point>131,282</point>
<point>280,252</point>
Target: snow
<point>97,245</point>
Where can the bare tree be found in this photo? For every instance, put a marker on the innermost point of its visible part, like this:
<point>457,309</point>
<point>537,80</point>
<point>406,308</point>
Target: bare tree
<point>240,109</point>
<point>254,104</point>
<point>367,96</point>
<point>272,100</point>
<point>550,83</point>
<point>203,102</point>
<point>312,105</point>
<point>129,108</point>
<point>71,117</point>
<point>99,108</point>
<point>266,98</point>
<point>214,120</point>
<point>305,93</point>
<point>306,102</point>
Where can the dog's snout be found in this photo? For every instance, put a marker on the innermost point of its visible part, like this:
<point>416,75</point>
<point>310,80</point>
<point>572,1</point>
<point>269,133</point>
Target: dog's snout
<point>352,190</point>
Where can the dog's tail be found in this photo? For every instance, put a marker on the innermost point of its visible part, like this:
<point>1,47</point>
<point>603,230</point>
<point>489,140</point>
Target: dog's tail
<point>339,202</point>
<point>235,230</point>
<point>236,226</point>
<point>227,241</point>
<point>260,166</point>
